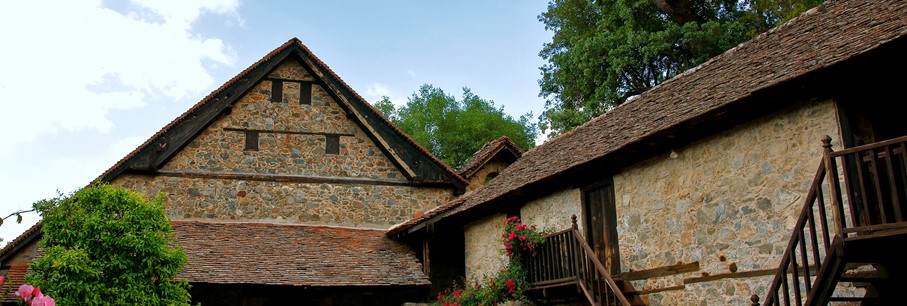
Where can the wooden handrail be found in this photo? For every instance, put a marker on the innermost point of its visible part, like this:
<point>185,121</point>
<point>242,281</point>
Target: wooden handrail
<point>874,179</point>
<point>600,267</point>
<point>567,256</point>
<point>871,146</point>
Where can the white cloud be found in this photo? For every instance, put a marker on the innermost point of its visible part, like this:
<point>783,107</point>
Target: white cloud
<point>378,90</point>
<point>67,68</point>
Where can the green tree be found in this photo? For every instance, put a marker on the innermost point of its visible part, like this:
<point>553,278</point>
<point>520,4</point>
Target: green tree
<point>604,52</point>
<point>453,130</point>
<point>106,245</point>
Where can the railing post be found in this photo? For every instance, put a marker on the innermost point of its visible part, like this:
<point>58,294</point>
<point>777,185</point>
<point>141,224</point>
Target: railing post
<point>831,170</point>
<point>755,300</point>
<point>573,220</point>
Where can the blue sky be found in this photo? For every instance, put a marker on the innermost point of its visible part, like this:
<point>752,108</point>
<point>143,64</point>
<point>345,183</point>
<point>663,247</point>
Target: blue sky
<point>85,83</point>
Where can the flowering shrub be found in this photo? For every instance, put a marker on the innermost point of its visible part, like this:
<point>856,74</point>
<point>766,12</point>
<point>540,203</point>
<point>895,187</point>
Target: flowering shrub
<point>519,240</point>
<point>31,296</point>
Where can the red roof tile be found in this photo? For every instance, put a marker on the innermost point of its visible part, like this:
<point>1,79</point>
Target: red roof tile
<point>15,277</point>
<point>294,255</point>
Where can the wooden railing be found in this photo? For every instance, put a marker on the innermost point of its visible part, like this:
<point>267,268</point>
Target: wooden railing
<point>874,182</point>
<point>567,258</point>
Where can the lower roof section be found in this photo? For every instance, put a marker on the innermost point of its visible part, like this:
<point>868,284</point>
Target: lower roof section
<point>294,255</point>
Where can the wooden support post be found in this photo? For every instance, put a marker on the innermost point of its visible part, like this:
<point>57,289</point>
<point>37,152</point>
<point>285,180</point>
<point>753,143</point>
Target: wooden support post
<point>831,172</point>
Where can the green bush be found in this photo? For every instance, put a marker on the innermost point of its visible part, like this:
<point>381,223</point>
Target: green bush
<point>105,245</point>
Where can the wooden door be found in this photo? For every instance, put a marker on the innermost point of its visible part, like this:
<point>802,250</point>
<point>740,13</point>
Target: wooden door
<point>601,225</point>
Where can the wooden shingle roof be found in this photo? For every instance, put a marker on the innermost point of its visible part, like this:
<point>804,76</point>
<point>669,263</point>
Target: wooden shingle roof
<point>829,34</point>
<point>294,255</point>
<point>501,145</point>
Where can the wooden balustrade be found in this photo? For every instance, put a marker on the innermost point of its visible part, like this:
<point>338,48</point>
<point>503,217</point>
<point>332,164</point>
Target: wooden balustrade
<point>566,258</point>
<point>874,180</point>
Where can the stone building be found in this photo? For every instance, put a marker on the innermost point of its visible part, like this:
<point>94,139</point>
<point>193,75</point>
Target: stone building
<point>280,185</point>
<point>704,189</point>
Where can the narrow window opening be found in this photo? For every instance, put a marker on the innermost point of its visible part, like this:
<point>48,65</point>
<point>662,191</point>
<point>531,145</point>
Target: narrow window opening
<point>331,144</point>
<point>276,91</point>
<point>305,93</point>
<point>251,141</point>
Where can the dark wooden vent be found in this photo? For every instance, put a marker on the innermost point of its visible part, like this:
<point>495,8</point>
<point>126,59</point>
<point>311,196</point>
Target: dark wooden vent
<point>251,141</point>
<point>331,144</point>
<point>276,91</point>
<point>305,93</point>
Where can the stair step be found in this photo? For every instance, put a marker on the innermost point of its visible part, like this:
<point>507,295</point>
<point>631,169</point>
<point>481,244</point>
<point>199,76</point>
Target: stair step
<point>863,276</point>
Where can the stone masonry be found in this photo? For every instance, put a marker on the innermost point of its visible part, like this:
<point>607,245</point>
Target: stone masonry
<point>483,247</point>
<point>291,142</point>
<point>727,201</point>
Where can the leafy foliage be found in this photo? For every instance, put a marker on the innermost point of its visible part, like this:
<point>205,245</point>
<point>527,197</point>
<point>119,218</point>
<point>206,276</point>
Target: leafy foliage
<point>519,240</point>
<point>453,130</point>
<point>604,52</point>
<point>106,245</point>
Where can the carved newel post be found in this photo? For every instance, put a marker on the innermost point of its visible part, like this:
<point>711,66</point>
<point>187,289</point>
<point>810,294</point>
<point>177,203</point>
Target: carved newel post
<point>573,220</point>
<point>755,299</point>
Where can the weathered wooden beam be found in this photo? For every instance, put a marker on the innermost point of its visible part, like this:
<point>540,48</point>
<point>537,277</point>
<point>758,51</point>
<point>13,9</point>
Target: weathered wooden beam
<point>669,288</point>
<point>294,178</point>
<point>659,271</point>
<point>383,144</point>
<point>286,132</point>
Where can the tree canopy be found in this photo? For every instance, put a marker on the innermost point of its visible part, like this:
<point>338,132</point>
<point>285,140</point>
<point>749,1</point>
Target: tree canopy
<point>455,129</point>
<point>106,245</point>
<point>603,52</point>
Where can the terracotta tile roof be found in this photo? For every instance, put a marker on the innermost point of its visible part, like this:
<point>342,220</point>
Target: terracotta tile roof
<point>30,234</point>
<point>15,277</point>
<point>488,151</point>
<point>295,255</point>
<point>294,42</point>
<point>826,35</point>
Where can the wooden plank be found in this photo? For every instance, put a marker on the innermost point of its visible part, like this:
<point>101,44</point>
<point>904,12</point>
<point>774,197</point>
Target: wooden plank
<point>305,93</point>
<point>871,146</point>
<point>893,186</point>
<point>679,268</point>
<point>742,274</point>
<point>251,141</point>
<point>656,290</point>
<point>285,178</point>
<point>383,144</point>
<point>276,91</point>
<point>332,144</point>
<point>286,132</point>
<point>291,80</point>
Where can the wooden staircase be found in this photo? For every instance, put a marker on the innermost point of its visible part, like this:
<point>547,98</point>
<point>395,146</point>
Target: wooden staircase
<point>845,247</point>
<point>566,270</point>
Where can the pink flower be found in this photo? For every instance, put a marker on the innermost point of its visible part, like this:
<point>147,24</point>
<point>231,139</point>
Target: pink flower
<point>43,300</point>
<point>2,279</point>
<point>37,292</point>
<point>25,292</point>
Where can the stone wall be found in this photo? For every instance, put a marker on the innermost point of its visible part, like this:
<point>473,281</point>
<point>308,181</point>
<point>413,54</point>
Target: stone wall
<point>727,201</point>
<point>369,206</point>
<point>483,247</point>
<point>480,177</point>
<point>204,181</point>
<point>553,211</point>
<point>291,137</point>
